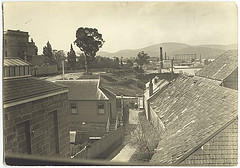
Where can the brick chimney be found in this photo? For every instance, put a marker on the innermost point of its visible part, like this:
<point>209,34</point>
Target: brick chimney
<point>161,58</point>
<point>150,88</point>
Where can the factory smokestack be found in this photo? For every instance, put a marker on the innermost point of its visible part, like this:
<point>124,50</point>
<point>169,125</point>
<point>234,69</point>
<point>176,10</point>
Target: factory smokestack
<point>165,56</point>
<point>161,61</point>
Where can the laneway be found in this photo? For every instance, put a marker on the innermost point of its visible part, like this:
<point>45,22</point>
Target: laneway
<point>125,154</point>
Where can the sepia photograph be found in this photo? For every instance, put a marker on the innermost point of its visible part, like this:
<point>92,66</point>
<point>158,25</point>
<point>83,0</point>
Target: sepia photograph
<point>119,83</point>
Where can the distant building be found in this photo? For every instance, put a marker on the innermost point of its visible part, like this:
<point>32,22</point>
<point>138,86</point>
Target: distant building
<point>185,57</point>
<point>16,44</point>
<point>92,109</point>
<point>223,69</point>
<point>197,120</point>
<point>35,112</point>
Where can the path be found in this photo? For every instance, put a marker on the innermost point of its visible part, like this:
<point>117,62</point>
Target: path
<point>125,154</point>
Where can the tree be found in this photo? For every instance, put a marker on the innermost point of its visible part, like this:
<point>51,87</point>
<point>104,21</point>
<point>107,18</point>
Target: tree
<point>89,40</point>
<point>116,62</point>
<point>129,63</point>
<point>48,55</point>
<point>142,58</point>
<point>144,136</point>
<point>121,61</point>
<point>59,56</point>
<point>72,58</point>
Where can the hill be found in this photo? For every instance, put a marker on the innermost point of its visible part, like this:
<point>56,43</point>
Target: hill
<point>206,51</point>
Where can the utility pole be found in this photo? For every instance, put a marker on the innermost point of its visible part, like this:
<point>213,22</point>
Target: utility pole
<point>63,69</point>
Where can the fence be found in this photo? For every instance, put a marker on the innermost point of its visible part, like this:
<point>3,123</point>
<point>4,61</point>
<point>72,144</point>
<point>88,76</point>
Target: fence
<point>102,148</point>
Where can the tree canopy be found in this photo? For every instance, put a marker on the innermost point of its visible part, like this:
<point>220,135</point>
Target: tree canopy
<point>72,58</point>
<point>48,55</point>
<point>142,58</point>
<point>89,40</point>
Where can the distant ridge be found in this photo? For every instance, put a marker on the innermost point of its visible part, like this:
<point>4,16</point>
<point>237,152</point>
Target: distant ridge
<point>210,51</point>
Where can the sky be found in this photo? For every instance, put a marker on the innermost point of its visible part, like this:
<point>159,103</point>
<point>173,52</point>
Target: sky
<point>124,25</point>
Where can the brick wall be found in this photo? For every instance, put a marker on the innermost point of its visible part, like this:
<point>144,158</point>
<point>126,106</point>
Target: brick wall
<point>36,114</point>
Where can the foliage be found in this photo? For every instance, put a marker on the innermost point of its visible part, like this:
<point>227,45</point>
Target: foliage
<point>129,63</point>
<point>144,136</point>
<point>71,57</point>
<point>89,40</point>
<point>59,56</point>
<point>138,69</point>
<point>142,58</point>
<point>36,50</point>
<point>116,62</point>
<point>97,62</point>
<point>48,55</point>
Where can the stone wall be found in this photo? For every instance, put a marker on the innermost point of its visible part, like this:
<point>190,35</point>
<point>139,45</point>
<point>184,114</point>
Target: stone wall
<point>27,126</point>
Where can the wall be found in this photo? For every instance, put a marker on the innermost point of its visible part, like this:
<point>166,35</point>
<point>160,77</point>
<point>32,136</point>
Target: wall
<point>36,114</point>
<point>190,71</point>
<point>104,147</point>
<point>44,70</point>
<point>112,100</point>
<point>87,113</point>
<point>9,71</point>
<point>232,80</point>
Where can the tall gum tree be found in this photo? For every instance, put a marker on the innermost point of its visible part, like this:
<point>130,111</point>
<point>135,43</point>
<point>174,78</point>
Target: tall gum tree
<point>89,41</point>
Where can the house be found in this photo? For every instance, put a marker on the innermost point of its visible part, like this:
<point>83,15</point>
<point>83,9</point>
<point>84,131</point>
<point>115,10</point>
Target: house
<point>224,69</point>
<point>16,44</point>
<point>152,87</point>
<point>34,114</point>
<point>197,122</point>
<point>92,109</point>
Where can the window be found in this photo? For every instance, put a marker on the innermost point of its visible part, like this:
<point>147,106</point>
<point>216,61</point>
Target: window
<point>73,108</point>
<point>100,108</point>
<point>5,41</point>
<point>5,53</point>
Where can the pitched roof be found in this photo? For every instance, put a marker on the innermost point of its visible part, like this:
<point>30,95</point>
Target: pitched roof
<point>84,89</point>
<point>221,150</point>
<point>221,67</point>
<point>192,110</point>
<point>15,89</point>
<point>15,62</point>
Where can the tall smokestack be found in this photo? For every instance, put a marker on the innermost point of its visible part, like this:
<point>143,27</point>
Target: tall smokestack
<point>160,61</point>
<point>150,88</point>
<point>165,56</point>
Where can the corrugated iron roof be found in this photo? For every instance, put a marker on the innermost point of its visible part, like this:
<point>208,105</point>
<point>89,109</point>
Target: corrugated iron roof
<point>84,89</point>
<point>221,67</point>
<point>15,89</point>
<point>192,110</point>
<point>15,62</point>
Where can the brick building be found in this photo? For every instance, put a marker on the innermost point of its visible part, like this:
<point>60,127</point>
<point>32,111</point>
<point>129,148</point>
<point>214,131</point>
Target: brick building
<point>34,115</point>
<point>16,44</point>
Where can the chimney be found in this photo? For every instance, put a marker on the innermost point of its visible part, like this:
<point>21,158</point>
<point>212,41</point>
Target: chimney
<point>172,65</point>
<point>150,88</point>
<point>165,56</point>
<point>161,58</point>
